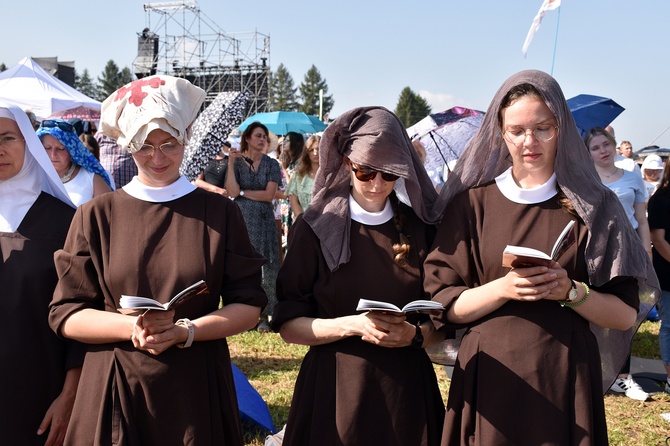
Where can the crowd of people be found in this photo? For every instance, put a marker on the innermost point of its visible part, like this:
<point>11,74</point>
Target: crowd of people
<point>287,235</point>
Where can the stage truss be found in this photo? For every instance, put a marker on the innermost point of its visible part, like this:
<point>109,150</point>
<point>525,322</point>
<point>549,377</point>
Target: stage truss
<point>180,40</point>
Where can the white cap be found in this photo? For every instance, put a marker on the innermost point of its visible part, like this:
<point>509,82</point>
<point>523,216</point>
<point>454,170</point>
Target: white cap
<point>652,162</point>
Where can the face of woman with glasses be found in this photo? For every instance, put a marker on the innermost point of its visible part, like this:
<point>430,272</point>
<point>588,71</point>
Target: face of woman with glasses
<point>370,194</point>
<point>12,149</point>
<point>531,135</point>
<point>158,159</point>
<point>57,153</point>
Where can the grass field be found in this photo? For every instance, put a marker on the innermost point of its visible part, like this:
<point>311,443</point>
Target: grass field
<point>272,366</point>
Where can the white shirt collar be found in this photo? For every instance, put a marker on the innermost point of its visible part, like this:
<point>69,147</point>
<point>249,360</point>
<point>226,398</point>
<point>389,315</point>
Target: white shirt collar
<point>171,192</point>
<point>516,194</point>
<point>370,218</point>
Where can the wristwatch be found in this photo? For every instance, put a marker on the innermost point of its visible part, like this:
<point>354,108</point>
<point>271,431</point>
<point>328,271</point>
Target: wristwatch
<point>417,341</point>
<point>572,294</point>
<point>241,193</point>
<point>191,332</point>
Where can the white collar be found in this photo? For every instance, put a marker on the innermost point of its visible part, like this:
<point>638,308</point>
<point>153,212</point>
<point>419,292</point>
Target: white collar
<point>514,193</point>
<point>141,191</point>
<point>370,218</point>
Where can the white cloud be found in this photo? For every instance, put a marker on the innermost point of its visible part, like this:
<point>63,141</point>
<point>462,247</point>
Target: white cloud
<point>442,101</point>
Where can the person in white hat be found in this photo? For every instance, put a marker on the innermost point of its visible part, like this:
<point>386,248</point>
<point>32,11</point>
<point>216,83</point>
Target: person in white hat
<point>156,377</point>
<point>652,167</point>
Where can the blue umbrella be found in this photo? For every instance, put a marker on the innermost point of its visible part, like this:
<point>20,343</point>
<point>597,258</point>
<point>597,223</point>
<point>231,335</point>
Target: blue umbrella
<point>250,403</point>
<point>593,111</point>
<point>282,122</point>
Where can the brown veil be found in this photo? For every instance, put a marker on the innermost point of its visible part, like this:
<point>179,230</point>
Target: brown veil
<point>613,247</point>
<point>375,137</point>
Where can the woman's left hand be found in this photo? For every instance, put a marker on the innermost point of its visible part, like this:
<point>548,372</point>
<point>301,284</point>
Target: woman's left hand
<point>388,330</point>
<point>155,331</point>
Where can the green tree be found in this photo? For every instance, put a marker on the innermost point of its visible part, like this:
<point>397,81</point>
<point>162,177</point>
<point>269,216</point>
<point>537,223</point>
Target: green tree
<point>309,93</point>
<point>282,92</point>
<point>112,79</point>
<point>125,77</point>
<point>411,107</point>
<point>3,67</point>
<point>84,84</point>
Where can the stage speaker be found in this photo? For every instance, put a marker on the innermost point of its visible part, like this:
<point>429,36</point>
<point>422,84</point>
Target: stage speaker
<point>147,54</point>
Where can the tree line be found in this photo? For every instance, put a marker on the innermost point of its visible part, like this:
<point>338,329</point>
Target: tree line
<point>283,95</point>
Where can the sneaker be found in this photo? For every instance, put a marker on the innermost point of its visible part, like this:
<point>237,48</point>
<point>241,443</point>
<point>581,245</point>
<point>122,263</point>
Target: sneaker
<point>263,326</point>
<point>630,388</point>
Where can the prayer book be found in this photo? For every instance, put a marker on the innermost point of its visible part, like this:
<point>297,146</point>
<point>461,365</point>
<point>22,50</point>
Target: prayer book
<point>522,257</point>
<point>419,306</point>
<point>130,304</point>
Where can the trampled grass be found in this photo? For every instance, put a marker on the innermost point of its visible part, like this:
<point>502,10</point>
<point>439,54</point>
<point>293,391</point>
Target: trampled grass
<point>272,367</point>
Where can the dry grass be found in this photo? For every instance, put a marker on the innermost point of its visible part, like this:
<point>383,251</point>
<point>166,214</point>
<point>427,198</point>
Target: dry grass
<point>272,368</point>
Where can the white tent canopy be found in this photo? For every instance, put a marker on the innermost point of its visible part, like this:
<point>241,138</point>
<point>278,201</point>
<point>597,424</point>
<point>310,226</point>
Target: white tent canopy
<point>30,87</point>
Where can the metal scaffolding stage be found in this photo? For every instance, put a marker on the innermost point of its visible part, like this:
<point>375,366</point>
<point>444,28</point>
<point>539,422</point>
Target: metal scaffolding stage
<point>180,40</point>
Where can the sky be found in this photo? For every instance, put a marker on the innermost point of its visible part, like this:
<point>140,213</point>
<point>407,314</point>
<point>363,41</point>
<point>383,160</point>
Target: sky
<point>367,51</point>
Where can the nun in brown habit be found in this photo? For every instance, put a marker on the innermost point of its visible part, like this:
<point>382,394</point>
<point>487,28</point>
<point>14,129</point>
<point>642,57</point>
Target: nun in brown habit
<point>366,378</point>
<point>542,343</point>
<point>160,377</point>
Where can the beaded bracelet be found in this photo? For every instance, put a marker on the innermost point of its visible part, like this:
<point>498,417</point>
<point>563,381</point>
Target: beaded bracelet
<point>576,304</point>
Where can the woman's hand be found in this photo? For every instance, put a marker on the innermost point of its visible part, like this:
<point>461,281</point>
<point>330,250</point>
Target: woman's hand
<point>537,282</point>
<point>387,330</point>
<point>155,332</point>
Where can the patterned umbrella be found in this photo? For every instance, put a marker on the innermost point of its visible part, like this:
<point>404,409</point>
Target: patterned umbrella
<point>82,112</point>
<point>210,129</point>
<point>444,136</point>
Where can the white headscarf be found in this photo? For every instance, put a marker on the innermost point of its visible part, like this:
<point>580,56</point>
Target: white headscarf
<point>17,194</point>
<point>156,102</point>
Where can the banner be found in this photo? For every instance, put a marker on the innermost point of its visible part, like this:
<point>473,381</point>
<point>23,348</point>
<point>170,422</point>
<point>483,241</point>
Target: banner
<point>547,5</point>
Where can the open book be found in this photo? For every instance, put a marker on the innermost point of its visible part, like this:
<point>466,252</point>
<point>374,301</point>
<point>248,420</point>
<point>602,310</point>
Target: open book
<point>130,304</point>
<point>520,256</point>
<point>420,306</point>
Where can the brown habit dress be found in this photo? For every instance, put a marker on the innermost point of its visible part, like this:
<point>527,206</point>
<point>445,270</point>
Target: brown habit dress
<point>121,245</point>
<point>352,392</point>
<point>528,373</point>
<point>33,360</point>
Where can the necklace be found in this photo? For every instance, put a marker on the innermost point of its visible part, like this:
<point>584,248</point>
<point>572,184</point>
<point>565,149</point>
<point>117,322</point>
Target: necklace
<point>616,170</point>
<point>68,175</point>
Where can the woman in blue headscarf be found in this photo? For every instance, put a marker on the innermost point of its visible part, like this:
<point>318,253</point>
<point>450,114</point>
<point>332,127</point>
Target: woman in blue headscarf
<point>81,173</point>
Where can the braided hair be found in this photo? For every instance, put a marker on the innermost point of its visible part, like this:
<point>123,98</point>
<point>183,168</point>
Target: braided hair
<point>401,249</point>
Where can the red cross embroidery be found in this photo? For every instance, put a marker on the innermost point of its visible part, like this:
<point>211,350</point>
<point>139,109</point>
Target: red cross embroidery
<point>137,95</point>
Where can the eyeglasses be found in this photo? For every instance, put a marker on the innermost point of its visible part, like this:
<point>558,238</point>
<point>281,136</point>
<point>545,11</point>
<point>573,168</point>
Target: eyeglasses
<point>146,150</point>
<point>8,141</point>
<point>65,126</point>
<point>544,133</point>
<point>364,173</point>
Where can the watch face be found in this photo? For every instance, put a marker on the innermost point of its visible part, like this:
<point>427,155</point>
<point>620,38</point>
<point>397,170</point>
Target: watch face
<point>572,295</point>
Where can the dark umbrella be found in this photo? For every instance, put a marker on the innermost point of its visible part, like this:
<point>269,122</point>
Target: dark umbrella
<point>593,111</point>
<point>282,122</point>
<point>444,136</point>
<point>210,129</point>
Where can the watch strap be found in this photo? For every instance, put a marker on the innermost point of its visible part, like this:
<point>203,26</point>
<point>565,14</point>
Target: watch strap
<point>417,341</point>
<point>191,332</point>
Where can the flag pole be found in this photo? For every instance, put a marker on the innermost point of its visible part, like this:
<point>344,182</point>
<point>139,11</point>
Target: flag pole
<point>553,58</point>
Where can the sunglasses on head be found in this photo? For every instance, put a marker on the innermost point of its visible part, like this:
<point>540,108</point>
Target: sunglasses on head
<point>365,173</point>
<point>65,126</point>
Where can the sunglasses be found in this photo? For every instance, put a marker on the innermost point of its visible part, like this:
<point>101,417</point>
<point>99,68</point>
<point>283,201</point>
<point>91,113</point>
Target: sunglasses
<point>65,126</point>
<point>364,173</point>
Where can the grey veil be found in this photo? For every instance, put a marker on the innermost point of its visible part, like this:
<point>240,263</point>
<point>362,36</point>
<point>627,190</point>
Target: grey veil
<point>613,247</point>
<point>375,137</point>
